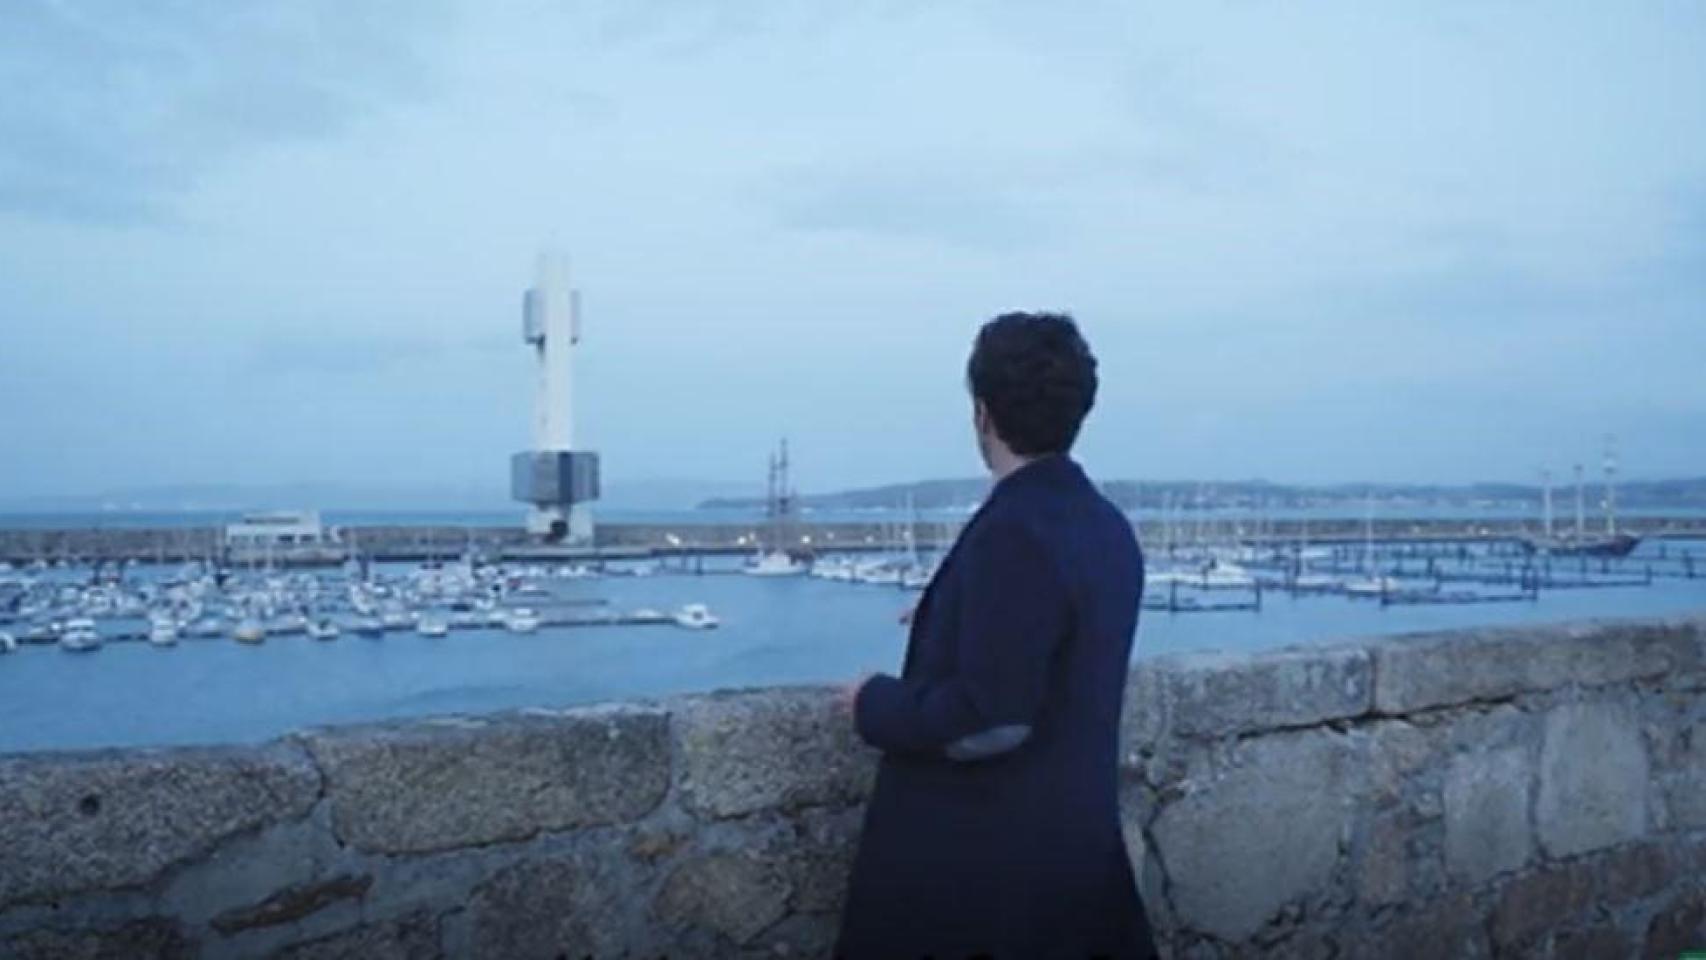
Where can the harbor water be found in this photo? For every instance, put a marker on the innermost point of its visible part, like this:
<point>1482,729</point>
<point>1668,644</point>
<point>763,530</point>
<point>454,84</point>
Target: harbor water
<point>774,630</point>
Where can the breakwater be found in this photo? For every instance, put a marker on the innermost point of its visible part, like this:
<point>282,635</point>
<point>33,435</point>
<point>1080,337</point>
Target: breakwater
<point>634,540</point>
<point>1477,793</point>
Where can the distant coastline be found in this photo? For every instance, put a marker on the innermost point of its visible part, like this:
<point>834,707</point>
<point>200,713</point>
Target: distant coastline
<point>1675,495</point>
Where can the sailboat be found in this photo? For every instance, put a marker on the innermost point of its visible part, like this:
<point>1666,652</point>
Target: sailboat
<point>1580,543</point>
<point>1373,584</point>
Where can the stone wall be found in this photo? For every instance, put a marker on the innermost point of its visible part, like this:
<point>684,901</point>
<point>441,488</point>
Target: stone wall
<point>1536,792</point>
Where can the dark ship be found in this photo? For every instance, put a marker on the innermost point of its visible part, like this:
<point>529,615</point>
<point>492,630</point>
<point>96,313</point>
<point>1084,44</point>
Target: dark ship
<point>1611,545</point>
<point>1579,542</point>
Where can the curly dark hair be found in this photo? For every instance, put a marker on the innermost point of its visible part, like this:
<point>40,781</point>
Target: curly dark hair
<point>1037,378</point>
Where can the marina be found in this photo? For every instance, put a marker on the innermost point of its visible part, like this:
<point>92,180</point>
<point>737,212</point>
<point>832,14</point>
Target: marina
<point>157,645</point>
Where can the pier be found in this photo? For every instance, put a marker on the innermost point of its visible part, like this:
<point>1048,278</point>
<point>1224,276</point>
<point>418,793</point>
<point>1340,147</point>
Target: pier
<point>652,541</point>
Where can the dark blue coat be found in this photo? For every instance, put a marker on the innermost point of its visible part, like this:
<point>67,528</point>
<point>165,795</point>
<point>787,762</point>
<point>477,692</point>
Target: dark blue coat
<point>994,827</point>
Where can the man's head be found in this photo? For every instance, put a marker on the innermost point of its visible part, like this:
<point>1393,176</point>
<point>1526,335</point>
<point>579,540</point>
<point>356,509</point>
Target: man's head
<point>1033,380</point>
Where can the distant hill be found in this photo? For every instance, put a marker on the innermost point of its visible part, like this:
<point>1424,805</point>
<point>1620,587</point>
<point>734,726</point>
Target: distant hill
<point>619,493</point>
<point>943,494</point>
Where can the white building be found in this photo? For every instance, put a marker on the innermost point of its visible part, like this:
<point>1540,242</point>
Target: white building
<point>279,530</point>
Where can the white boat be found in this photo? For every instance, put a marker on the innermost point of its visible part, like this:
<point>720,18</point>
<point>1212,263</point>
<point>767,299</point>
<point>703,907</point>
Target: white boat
<point>521,620</point>
<point>880,573</point>
<point>430,626</point>
<point>163,632</point>
<point>1372,586</point>
<point>322,630</point>
<point>1160,577</point>
<point>833,568</point>
<point>80,636</point>
<point>774,564</point>
<point>1223,575</point>
<point>249,630</point>
<point>696,616</point>
<point>8,643</point>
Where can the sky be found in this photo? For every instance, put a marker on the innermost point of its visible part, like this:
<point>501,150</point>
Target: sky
<point>286,242</point>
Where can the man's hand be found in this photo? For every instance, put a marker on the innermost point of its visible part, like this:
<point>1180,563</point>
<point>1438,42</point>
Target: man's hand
<point>849,694</point>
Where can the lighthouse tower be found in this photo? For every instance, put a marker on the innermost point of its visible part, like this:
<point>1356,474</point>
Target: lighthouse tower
<point>559,481</point>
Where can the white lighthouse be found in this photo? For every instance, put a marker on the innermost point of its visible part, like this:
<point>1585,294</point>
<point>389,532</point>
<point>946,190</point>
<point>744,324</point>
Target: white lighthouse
<point>559,481</point>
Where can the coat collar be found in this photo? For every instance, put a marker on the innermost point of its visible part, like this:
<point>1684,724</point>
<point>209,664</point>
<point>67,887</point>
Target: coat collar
<point>1047,471</point>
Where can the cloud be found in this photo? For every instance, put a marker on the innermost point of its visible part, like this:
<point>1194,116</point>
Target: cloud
<point>114,109</point>
<point>364,355</point>
<point>910,204</point>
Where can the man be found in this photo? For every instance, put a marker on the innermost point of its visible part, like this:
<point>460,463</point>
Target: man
<point>994,828</point>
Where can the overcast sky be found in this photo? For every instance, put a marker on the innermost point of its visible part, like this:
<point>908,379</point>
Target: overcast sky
<point>286,242</point>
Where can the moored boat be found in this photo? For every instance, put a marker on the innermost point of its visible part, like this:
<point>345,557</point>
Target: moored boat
<point>80,636</point>
<point>522,620</point>
<point>696,616</point>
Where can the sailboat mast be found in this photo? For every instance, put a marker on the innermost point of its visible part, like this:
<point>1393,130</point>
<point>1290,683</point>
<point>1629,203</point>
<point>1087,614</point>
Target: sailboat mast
<point>1610,485</point>
<point>785,498</point>
<point>1368,534</point>
<point>1581,506</point>
<point>1546,500</point>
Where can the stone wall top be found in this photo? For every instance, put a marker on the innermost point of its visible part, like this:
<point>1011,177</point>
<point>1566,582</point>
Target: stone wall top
<point>1476,781</point>
<point>1424,671</point>
<point>439,784</point>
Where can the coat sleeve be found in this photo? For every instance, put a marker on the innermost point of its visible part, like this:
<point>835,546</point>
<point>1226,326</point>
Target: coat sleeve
<point>1014,613</point>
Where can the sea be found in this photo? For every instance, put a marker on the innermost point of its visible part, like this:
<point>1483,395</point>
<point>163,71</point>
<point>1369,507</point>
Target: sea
<point>792,630</point>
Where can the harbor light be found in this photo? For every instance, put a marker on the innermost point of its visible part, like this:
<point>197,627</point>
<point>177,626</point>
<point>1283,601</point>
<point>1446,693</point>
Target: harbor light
<point>559,481</point>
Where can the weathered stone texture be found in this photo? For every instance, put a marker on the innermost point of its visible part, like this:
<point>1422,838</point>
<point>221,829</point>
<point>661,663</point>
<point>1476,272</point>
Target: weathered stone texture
<point>1260,831</point>
<point>1534,903</point>
<point>1220,694</point>
<point>1144,710</point>
<point>413,937</point>
<point>1450,928</point>
<point>1632,873</point>
<point>152,939</point>
<point>294,903</point>
<point>777,749</point>
<point>1486,814</point>
<point>1600,942</point>
<point>1397,751</point>
<point>1385,870</point>
<point>802,935</point>
<point>1424,671</point>
<point>735,895</point>
<point>120,819</point>
<point>1684,786</point>
<point>816,855</point>
<point>1593,779</point>
<point>424,786</point>
<point>250,869</point>
<point>543,909</point>
<point>1679,926</point>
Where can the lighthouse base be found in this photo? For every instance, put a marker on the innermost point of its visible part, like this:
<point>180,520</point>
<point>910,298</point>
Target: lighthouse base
<point>561,486</point>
